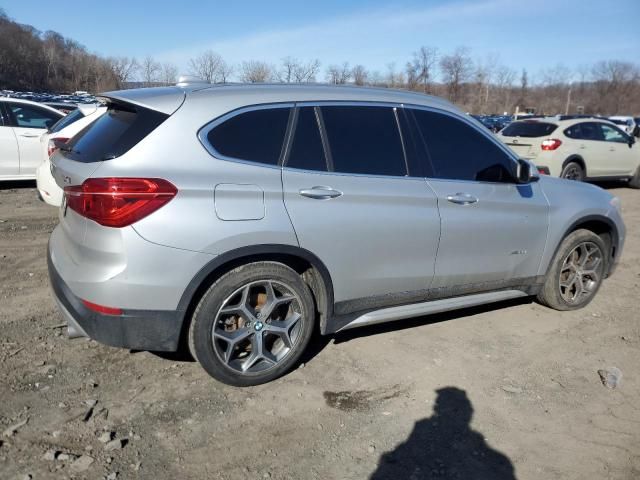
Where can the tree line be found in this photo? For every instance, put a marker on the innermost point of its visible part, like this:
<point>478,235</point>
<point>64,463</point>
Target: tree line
<point>47,61</point>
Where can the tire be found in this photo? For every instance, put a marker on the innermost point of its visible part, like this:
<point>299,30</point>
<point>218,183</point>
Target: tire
<point>634,182</point>
<point>573,171</point>
<point>230,335</point>
<point>567,276</point>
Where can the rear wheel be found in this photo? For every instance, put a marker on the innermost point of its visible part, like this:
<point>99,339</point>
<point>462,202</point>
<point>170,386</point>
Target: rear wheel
<point>576,272</point>
<point>634,182</point>
<point>253,324</point>
<point>573,171</point>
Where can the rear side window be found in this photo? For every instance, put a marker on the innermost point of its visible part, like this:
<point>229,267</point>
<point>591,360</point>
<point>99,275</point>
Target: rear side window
<point>66,121</point>
<point>460,152</point>
<point>32,116</point>
<point>306,149</point>
<point>255,136</point>
<point>364,140</point>
<point>528,129</point>
<point>113,134</point>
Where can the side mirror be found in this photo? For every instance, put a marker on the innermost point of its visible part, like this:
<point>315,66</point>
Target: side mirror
<point>632,140</point>
<point>526,172</point>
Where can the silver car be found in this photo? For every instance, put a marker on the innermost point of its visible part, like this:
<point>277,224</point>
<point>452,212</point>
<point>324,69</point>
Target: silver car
<point>238,219</point>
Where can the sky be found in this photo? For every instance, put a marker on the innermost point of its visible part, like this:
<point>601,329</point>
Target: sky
<point>531,34</point>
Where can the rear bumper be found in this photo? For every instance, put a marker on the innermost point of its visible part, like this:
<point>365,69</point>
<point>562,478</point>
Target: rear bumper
<point>156,330</point>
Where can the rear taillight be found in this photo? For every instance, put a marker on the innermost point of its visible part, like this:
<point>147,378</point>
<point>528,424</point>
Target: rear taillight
<point>54,144</point>
<point>550,144</point>
<point>118,202</point>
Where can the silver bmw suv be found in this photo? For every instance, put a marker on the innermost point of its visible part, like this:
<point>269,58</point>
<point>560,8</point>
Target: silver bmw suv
<point>238,219</point>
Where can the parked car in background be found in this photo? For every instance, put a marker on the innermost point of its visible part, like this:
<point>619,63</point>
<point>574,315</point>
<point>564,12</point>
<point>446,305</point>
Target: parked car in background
<point>22,123</point>
<point>627,124</point>
<point>578,149</point>
<point>240,218</point>
<point>55,138</point>
<point>64,107</point>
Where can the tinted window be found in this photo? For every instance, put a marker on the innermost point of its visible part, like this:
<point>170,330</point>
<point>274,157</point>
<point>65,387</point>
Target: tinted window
<point>364,140</point>
<point>113,134</point>
<point>586,131</point>
<point>256,136</point>
<point>306,150</point>
<point>460,152</point>
<point>66,121</point>
<point>28,116</point>
<point>612,134</point>
<point>528,129</point>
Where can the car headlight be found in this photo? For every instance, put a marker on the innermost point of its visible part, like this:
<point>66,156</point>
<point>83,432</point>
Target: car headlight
<point>616,203</point>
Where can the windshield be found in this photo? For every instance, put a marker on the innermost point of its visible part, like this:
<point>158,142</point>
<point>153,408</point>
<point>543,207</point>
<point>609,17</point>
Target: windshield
<point>528,129</point>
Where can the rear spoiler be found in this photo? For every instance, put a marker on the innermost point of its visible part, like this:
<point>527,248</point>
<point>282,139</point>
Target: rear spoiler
<point>162,99</point>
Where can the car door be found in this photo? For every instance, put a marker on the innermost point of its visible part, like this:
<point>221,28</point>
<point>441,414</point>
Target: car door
<point>587,143</point>
<point>29,123</point>
<point>620,159</point>
<point>9,155</point>
<point>493,230</point>
<point>353,203</point>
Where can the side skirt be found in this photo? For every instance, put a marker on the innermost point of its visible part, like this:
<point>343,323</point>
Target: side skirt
<point>427,308</point>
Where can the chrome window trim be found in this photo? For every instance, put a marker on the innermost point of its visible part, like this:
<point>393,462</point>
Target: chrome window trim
<point>204,132</point>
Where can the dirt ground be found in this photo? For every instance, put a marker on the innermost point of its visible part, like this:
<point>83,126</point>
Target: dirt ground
<point>499,392</point>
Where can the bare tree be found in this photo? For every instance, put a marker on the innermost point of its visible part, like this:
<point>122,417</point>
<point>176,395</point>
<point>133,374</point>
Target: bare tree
<point>456,69</point>
<point>169,73</point>
<point>338,74</point>
<point>150,71</point>
<point>422,68</point>
<point>255,71</point>
<point>360,75</point>
<point>293,70</point>
<point>504,79</point>
<point>615,82</point>
<point>123,68</point>
<point>210,67</point>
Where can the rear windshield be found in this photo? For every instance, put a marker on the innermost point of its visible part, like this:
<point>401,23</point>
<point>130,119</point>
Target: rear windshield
<point>528,129</point>
<point>66,121</point>
<point>113,134</point>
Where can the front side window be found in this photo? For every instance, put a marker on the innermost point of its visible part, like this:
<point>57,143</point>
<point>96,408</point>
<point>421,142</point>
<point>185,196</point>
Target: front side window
<point>612,134</point>
<point>588,131</point>
<point>364,140</point>
<point>255,136</point>
<point>30,116</point>
<point>460,152</point>
<point>307,152</point>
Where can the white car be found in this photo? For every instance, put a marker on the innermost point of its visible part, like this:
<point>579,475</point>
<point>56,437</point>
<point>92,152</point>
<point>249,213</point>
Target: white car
<point>628,124</point>
<point>578,149</point>
<point>22,123</point>
<point>58,135</point>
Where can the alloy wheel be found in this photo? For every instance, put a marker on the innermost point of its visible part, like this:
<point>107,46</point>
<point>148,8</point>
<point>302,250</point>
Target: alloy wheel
<point>257,326</point>
<point>581,272</point>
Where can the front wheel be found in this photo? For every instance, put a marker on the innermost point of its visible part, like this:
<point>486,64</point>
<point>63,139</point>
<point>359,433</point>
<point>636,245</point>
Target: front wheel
<point>576,271</point>
<point>253,324</point>
<point>573,171</point>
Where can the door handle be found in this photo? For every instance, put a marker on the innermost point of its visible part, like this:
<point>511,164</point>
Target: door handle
<point>320,192</point>
<point>29,135</point>
<point>582,147</point>
<point>462,198</point>
<point>612,149</point>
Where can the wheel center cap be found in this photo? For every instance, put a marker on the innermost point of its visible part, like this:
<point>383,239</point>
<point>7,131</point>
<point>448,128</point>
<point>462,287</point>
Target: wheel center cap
<point>258,326</point>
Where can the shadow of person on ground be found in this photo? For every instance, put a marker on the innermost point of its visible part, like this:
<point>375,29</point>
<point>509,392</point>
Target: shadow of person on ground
<point>444,446</point>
